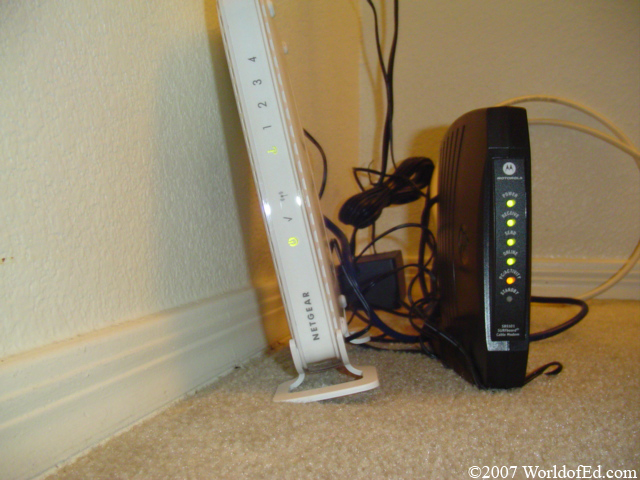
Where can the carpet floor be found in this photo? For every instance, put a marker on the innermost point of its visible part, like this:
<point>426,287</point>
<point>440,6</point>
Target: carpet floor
<point>424,422</point>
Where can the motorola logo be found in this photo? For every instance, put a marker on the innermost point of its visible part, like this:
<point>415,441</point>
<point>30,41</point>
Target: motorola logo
<point>509,168</point>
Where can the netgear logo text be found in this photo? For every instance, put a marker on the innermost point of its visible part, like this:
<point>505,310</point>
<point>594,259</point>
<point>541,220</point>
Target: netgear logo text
<point>310,316</point>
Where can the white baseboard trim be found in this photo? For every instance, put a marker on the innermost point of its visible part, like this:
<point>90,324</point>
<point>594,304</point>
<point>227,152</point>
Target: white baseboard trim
<point>570,278</point>
<point>60,400</point>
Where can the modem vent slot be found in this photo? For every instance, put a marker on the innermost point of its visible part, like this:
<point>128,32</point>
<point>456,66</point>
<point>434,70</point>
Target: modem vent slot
<point>447,194</point>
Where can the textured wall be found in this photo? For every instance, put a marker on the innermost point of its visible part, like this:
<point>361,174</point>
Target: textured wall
<point>455,56</point>
<point>125,183</point>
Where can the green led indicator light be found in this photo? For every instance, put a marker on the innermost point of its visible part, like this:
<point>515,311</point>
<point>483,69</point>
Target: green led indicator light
<point>511,222</point>
<point>511,203</point>
<point>511,261</point>
<point>511,242</point>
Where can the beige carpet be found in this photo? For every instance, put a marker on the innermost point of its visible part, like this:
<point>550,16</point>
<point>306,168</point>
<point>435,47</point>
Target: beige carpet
<point>423,422</point>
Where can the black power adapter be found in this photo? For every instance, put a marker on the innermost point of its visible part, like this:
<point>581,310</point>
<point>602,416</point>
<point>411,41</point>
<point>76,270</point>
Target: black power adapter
<point>380,278</point>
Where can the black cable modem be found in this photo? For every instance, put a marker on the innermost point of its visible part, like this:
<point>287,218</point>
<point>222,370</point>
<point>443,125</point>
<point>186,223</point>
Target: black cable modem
<point>484,247</point>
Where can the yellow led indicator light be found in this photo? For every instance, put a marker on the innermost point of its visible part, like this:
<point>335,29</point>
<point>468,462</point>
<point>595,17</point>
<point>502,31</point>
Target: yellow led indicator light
<point>511,203</point>
<point>511,261</point>
<point>511,242</point>
<point>273,150</point>
<point>293,241</point>
<point>511,280</point>
<point>511,222</point>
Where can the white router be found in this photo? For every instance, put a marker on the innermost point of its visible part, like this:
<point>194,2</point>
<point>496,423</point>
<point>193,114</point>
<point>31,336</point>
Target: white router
<point>290,204</point>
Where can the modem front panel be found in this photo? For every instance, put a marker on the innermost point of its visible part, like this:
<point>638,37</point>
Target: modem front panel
<point>279,160</point>
<point>510,302</point>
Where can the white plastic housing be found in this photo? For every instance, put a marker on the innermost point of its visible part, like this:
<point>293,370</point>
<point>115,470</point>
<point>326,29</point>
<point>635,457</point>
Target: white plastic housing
<point>290,205</point>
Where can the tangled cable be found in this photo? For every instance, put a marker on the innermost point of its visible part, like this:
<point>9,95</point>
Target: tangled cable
<point>405,185</point>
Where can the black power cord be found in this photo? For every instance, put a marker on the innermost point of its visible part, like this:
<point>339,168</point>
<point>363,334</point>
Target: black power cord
<point>584,310</point>
<point>387,75</point>
<point>325,169</point>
